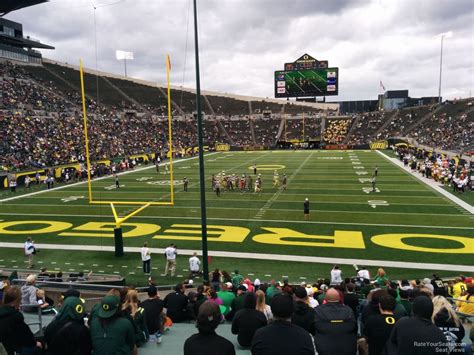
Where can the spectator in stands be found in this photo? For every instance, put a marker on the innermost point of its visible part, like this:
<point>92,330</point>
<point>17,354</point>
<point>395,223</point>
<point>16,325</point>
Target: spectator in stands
<point>67,334</point>
<point>4,285</point>
<point>336,327</point>
<point>28,293</point>
<point>417,334</point>
<point>262,306</point>
<point>247,321</point>
<point>281,337</point>
<point>176,304</point>
<point>351,299</point>
<point>379,326</point>
<point>15,335</point>
<point>404,301</point>
<point>458,288</point>
<point>215,277</point>
<point>153,307</point>
<point>446,319</point>
<point>466,302</point>
<point>237,279</point>
<point>112,333</point>
<point>381,278</point>
<point>207,342</point>
<point>303,314</point>
<point>226,296</point>
<point>238,301</point>
<point>137,314</point>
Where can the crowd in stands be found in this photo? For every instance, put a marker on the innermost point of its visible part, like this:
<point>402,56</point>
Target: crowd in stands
<point>336,315</point>
<point>365,127</point>
<point>336,131</point>
<point>454,173</point>
<point>455,133</point>
<point>41,121</point>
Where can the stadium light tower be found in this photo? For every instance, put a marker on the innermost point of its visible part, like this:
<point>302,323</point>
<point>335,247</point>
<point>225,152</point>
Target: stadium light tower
<point>448,34</point>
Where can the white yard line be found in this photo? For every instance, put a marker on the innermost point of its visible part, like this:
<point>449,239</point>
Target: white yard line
<point>244,220</point>
<point>272,199</point>
<point>430,183</point>
<point>98,179</point>
<point>259,256</point>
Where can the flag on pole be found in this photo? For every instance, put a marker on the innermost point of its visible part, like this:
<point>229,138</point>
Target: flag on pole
<point>121,55</point>
<point>168,61</point>
<point>381,86</point>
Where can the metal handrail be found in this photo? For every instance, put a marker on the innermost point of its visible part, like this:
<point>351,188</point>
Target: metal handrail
<point>40,318</point>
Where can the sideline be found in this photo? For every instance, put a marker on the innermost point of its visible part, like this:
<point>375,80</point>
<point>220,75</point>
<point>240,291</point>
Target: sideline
<point>259,256</point>
<point>98,179</point>
<point>431,183</point>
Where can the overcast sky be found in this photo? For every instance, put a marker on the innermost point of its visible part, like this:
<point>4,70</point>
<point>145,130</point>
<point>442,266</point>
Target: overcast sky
<point>242,42</point>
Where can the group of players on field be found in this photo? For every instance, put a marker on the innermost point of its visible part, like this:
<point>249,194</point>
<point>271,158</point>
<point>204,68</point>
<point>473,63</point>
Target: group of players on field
<point>245,183</point>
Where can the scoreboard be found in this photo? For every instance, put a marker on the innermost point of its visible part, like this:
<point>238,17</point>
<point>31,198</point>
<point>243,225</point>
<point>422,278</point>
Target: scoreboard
<point>306,77</point>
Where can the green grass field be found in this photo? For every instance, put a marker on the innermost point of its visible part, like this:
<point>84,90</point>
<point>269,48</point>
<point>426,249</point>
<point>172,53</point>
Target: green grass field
<point>346,221</point>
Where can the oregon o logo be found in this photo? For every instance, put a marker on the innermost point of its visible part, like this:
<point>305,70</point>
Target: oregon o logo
<point>268,167</point>
<point>165,182</point>
<point>80,309</point>
<point>390,320</point>
<point>105,307</point>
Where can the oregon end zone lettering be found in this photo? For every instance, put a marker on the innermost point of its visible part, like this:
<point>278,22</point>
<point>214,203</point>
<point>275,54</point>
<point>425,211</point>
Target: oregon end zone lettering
<point>341,239</point>
<point>236,234</point>
<point>397,241</point>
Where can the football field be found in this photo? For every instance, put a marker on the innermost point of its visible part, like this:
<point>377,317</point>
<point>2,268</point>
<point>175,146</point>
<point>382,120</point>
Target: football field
<point>404,226</point>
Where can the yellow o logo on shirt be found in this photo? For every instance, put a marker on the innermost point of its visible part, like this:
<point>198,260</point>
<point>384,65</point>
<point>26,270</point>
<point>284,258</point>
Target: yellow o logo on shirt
<point>390,320</point>
<point>80,309</point>
<point>105,307</point>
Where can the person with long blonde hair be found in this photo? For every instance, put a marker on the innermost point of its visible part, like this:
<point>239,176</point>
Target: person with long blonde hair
<point>262,306</point>
<point>446,319</point>
<point>381,278</point>
<point>132,308</point>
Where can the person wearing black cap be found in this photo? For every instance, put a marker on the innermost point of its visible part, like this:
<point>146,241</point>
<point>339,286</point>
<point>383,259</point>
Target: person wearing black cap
<point>417,334</point>
<point>207,342</point>
<point>303,314</point>
<point>67,334</point>
<point>281,337</point>
<point>111,333</point>
<point>247,321</point>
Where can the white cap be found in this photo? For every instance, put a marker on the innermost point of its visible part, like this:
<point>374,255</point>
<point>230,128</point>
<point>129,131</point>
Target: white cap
<point>229,284</point>
<point>257,282</point>
<point>190,282</point>
<point>306,199</point>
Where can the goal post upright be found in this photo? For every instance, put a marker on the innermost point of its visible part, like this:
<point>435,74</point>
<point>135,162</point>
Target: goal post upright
<point>118,234</point>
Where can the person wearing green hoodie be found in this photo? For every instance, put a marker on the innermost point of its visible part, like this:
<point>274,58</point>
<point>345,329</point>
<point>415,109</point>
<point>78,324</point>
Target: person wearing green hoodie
<point>112,334</point>
<point>67,334</point>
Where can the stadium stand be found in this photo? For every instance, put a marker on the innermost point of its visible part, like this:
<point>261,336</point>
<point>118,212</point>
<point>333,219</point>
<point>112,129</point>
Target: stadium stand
<point>336,130</point>
<point>358,298</point>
